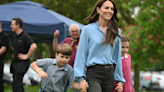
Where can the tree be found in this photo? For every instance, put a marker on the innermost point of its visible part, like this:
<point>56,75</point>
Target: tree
<point>74,9</point>
<point>145,30</point>
<point>147,36</point>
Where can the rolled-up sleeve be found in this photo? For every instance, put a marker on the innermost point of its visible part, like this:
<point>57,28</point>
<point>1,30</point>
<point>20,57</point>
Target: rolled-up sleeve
<point>118,74</point>
<point>42,63</point>
<point>81,57</point>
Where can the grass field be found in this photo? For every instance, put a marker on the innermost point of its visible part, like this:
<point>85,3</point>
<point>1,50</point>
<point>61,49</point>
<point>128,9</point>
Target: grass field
<point>8,88</point>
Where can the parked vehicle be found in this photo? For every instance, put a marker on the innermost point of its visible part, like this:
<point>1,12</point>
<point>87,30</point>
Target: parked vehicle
<point>7,78</point>
<point>150,81</point>
<point>29,79</point>
<point>33,76</point>
<point>158,77</point>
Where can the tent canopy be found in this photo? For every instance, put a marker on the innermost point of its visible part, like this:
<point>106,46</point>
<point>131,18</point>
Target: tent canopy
<point>39,21</point>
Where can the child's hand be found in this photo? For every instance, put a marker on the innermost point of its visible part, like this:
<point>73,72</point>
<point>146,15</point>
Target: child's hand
<point>119,87</point>
<point>43,74</point>
<point>86,86</point>
<point>83,86</point>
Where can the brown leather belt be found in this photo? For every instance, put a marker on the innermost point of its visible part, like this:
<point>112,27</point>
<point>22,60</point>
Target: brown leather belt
<point>102,67</point>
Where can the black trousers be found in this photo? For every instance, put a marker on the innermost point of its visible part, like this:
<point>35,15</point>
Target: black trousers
<point>1,76</point>
<point>18,69</point>
<point>100,80</point>
<point>17,82</point>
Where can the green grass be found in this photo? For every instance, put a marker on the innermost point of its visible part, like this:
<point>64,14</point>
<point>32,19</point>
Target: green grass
<point>8,88</point>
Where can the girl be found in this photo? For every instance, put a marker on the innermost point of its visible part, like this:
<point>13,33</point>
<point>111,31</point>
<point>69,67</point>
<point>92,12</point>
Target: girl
<point>126,65</point>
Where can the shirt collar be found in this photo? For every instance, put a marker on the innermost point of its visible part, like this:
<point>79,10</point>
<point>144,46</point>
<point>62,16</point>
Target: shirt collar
<point>64,67</point>
<point>20,34</point>
<point>97,23</point>
<point>73,41</point>
<point>76,39</point>
<point>54,61</point>
<point>126,56</point>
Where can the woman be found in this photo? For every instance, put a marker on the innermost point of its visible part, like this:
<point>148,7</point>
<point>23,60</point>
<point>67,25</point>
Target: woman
<point>99,50</point>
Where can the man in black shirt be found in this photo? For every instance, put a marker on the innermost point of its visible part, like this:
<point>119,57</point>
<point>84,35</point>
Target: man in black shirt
<point>4,44</point>
<point>23,48</point>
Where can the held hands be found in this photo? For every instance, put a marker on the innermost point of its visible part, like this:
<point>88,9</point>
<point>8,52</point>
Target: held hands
<point>56,33</point>
<point>119,87</point>
<point>43,74</point>
<point>83,85</point>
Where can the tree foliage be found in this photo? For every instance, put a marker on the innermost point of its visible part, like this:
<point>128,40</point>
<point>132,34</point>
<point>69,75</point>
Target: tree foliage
<point>147,46</point>
<point>74,9</point>
<point>145,29</point>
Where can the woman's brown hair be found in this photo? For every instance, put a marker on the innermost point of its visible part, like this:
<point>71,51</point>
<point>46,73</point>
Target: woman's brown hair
<point>112,31</point>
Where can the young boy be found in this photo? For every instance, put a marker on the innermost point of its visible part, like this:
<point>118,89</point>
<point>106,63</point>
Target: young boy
<point>55,71</point>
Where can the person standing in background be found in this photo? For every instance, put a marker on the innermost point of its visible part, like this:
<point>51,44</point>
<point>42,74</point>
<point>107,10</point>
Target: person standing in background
<point>4,45</point>
<point>74,31</point>
<point>23,48</point>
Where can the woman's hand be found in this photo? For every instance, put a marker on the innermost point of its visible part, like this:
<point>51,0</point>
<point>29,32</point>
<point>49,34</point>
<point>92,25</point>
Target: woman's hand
<point>83,85</point>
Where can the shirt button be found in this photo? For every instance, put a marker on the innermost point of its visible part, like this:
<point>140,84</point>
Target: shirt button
<point>103,49</point>
<point>103,55</point>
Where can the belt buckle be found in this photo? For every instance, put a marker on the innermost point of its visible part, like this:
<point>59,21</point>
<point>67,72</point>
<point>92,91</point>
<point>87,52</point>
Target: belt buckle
<point>106,68</point>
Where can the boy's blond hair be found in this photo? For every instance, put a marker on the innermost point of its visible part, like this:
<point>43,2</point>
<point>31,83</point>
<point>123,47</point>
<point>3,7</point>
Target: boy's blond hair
<point>124,38</point>
<point>64,49</point>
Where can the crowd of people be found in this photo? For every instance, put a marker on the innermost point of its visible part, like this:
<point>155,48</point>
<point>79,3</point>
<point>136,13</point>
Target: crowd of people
<point>93,60</point>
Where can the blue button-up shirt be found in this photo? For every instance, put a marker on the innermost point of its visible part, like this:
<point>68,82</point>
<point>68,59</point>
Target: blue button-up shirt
<point>91,51</point>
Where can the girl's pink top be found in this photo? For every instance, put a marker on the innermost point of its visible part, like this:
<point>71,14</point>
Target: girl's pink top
<point>126,67</point>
